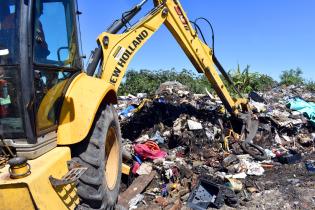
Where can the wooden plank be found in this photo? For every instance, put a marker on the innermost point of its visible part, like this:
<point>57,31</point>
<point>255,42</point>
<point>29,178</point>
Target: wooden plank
<point>137,187</point>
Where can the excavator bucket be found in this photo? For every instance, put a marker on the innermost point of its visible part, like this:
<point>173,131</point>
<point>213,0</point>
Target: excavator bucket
<point>249,131</point>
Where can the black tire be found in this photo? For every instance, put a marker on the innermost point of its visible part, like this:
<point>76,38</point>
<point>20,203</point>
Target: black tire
<point>246,146</point>
<point>100,151</point>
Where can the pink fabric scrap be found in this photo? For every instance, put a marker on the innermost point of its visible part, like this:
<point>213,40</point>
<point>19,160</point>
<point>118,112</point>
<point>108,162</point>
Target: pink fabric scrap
<point>135,167</point>
<point>145,152</point>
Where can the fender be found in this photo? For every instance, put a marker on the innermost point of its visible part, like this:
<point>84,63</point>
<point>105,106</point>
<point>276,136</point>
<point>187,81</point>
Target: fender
<point>81,103</point>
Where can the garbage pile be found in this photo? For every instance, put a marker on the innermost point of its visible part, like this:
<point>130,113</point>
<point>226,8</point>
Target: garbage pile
<point>180,145</point>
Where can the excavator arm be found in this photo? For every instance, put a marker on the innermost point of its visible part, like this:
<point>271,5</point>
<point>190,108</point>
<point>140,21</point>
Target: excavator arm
<point>119,49</point>
<point>115,52</point>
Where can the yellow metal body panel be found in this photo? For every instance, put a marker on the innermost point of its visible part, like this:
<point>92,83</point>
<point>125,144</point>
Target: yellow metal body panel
<point>36,189</point>
<point>82,100</point>
<point>17,197</point>
<point>121,48</point>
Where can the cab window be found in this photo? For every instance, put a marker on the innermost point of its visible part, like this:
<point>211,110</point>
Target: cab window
<point>11,114</point>
<point>55,34</point>
<point>9,24</point>
<point>11,118</point>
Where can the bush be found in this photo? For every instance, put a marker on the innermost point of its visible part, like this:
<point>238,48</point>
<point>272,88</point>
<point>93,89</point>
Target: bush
<point>246,81</point>
<point>292,77</point>
<point>310,85</point>
<point>146,81</point>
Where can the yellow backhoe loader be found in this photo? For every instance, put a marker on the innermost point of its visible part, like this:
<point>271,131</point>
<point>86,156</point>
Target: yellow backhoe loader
<point>59,133</point>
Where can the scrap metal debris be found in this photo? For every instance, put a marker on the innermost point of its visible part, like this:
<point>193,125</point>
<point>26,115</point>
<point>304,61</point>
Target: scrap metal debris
<point>201,163</point>
<point>132,196</point>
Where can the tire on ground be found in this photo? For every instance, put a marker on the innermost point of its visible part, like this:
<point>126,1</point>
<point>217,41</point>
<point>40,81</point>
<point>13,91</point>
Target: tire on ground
<point>98,188</point>
<point>258,154</point>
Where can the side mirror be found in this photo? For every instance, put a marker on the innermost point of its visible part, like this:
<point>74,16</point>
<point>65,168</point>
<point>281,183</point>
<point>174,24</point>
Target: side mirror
<point>63,55</point>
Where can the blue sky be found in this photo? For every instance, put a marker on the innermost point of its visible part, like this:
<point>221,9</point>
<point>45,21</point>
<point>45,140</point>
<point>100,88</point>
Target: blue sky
<point>269,35</point>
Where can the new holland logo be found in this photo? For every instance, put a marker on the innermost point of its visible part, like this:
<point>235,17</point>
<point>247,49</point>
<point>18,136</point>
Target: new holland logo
<point>122,55</point>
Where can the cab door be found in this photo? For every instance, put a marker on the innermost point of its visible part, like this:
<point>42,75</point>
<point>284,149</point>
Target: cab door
<point>56,58</point>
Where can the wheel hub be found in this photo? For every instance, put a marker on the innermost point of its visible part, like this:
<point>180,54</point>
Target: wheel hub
<point>111,158</point>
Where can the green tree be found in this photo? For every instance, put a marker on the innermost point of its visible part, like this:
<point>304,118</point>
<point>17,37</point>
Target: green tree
<point>292,77</point>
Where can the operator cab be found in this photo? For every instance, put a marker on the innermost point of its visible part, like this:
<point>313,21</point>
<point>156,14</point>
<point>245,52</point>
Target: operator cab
<point>39,54</point>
